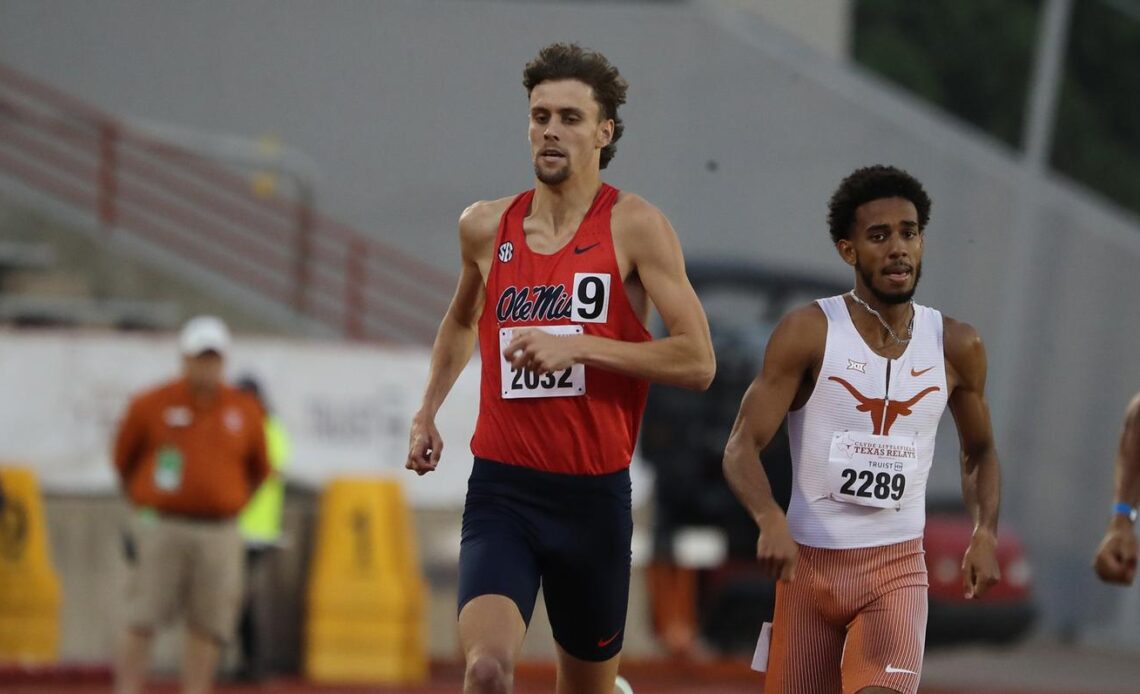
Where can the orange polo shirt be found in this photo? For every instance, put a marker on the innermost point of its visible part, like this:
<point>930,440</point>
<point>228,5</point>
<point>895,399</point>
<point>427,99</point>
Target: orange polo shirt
<point>178,456</point>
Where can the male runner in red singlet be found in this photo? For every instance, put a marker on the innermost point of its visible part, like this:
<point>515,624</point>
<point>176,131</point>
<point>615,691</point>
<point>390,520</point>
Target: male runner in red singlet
<point>555,285</point>
<point>1116,558</point>
<point>863,379</point>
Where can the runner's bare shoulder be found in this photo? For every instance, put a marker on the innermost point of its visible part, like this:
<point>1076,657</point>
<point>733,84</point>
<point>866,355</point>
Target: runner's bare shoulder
<point>803,328</point>
<point>806,325</point>
<point>636,218</point>
<point>479,224</point>
<point>961,342</point>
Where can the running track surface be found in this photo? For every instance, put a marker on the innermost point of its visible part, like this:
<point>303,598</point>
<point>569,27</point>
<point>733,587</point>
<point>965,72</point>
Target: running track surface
<point>646,678</point>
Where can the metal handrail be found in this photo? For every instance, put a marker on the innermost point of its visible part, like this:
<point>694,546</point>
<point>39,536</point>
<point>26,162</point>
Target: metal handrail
<point>200,209</point>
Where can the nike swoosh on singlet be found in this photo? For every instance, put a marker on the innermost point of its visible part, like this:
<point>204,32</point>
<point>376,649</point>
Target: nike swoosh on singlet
<point>916,374</point>
<point>602,643</point>
<point>891,669</point>
<point>582,249</point>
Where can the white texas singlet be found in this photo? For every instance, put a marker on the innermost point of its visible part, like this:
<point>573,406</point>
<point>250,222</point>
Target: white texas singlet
<point>863,443</point>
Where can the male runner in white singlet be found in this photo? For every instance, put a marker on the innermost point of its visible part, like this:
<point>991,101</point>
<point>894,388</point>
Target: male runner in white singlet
<point>863,379</point>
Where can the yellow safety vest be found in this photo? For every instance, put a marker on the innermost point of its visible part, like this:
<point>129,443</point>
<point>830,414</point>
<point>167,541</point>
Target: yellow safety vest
<point>260,520</point>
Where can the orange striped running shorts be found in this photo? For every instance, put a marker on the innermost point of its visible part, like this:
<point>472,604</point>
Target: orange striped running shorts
<point>852,618</point>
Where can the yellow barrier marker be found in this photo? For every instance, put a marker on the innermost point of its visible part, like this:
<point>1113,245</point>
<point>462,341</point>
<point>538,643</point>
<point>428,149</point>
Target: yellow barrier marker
<point>29,586</point>
<point>366,595</point>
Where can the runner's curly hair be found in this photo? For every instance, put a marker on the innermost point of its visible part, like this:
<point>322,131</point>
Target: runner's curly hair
<point>562,61</point>
<point>873,183</point>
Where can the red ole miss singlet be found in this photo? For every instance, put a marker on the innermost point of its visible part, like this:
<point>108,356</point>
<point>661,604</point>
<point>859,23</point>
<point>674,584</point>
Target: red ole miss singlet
<point>581,420</point>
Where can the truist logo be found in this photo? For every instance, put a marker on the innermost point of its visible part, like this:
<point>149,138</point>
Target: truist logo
<point>542,302</point>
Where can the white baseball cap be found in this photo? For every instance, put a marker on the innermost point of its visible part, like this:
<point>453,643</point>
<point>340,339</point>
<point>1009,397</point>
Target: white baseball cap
<point>204,334</point>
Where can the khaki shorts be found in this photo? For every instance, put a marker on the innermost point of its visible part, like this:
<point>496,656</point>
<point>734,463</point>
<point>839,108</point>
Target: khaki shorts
<point>852,618</point>
<point>185,567</point>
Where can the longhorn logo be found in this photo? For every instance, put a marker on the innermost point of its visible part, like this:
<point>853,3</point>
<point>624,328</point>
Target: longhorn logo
<point>883,414</point>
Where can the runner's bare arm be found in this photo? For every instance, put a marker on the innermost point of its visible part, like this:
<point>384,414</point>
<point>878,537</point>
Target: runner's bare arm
<point>1116,557</point>
<point>684,358</point>
<point>457,333</point>
<point>791,352</point>
<point>1128,457</point>
<point>981,473</point>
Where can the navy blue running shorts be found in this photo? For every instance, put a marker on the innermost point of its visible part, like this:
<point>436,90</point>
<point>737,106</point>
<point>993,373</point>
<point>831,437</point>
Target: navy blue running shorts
<point>568,533</point>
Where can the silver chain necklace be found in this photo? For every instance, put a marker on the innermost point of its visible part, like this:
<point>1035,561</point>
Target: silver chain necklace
<point>876,314</point>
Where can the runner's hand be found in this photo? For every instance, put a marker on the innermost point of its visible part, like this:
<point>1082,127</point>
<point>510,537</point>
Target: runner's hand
<point>980,565</point>
<point>424,445</point>
<point>776,550</point>
<point>1116,558</point>
<point>540,351</point>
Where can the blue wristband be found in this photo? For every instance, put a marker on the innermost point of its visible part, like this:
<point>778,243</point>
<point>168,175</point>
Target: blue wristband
<point>1125,509</point>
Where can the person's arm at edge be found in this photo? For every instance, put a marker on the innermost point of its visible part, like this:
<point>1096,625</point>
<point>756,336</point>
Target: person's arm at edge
<point>980,470</point>
<point>1116,557</point>
<point>1127,484</point>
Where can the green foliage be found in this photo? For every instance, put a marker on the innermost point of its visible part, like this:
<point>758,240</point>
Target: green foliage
<point>1098,123</point>
<point>974,58</point>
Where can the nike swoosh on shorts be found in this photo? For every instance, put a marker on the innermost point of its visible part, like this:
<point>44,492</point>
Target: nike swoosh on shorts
<point>891,669</point>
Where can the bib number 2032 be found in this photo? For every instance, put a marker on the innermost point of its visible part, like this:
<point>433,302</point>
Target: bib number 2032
<point>866,484</point>
<point>530,380</point>
<point>524,383</point>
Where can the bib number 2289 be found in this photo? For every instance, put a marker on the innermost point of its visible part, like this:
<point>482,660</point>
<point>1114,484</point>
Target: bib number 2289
<point>872,470</point>
<point>873,485</point>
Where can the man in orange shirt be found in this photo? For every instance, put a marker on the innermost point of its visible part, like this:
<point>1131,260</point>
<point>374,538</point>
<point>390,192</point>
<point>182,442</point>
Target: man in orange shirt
<point>190,453</point>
